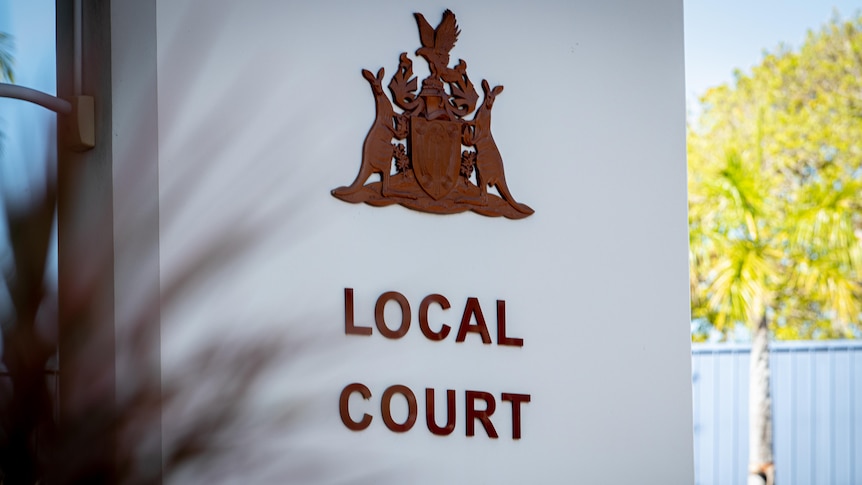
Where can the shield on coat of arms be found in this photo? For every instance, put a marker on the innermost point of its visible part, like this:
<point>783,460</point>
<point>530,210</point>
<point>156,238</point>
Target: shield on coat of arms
<point>436,154</point>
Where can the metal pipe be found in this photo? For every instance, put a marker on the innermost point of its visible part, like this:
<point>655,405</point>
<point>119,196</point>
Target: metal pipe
<point>45,100</point>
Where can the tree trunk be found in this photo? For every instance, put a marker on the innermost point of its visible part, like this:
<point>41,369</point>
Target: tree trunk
<point>761,470</point>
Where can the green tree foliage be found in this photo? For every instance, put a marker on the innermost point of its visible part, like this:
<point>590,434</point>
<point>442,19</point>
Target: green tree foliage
<point>775,193</point>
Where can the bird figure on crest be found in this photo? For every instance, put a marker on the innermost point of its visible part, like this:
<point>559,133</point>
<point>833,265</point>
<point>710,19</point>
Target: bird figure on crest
<point>436,43</point>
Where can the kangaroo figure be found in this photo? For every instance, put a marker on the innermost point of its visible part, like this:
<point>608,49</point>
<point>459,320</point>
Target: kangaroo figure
<point>377,151</point>
<point>489,163</point>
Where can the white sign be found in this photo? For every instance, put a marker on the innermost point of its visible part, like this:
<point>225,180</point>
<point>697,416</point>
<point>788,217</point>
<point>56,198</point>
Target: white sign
<point>443,348</point>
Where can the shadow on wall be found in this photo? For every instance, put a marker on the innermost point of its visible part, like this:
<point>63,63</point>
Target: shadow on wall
<point>204,418</point>
<point>105,437</point>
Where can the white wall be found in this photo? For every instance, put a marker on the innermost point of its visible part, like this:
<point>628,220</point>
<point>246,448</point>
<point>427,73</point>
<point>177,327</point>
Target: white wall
<point>262,111</point>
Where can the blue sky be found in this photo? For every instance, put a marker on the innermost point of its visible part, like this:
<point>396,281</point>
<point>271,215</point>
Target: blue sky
<point>724,35</point>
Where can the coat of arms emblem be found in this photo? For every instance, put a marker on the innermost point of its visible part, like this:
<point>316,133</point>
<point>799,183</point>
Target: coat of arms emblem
<point>428,140</point>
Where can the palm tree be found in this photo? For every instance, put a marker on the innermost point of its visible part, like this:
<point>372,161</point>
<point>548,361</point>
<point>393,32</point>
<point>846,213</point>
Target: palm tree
<point>760,260</point>
<point>737,268</point>
<point>775,214</point>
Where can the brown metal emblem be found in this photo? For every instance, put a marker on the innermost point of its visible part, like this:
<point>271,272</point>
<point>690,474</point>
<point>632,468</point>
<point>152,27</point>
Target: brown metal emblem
<point>424,149</point>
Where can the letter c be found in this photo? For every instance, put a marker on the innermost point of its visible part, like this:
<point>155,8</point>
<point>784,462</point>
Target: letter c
<point>423,317</point>
<point>344,409</point>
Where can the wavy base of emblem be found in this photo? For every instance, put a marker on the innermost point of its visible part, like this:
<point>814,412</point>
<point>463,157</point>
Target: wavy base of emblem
<point>462,198</point>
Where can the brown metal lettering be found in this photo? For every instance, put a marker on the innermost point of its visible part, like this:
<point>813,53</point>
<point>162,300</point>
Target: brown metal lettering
<point>344,408</point>
<point>516,400</point>
<point>473,309</point>
<point>386,408</point>
<point>450,413</point>
<point>349,327</point>
<point>482,415</point>
<point>423,317</point>
<point>380,319</point>
<point>502,339</point>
